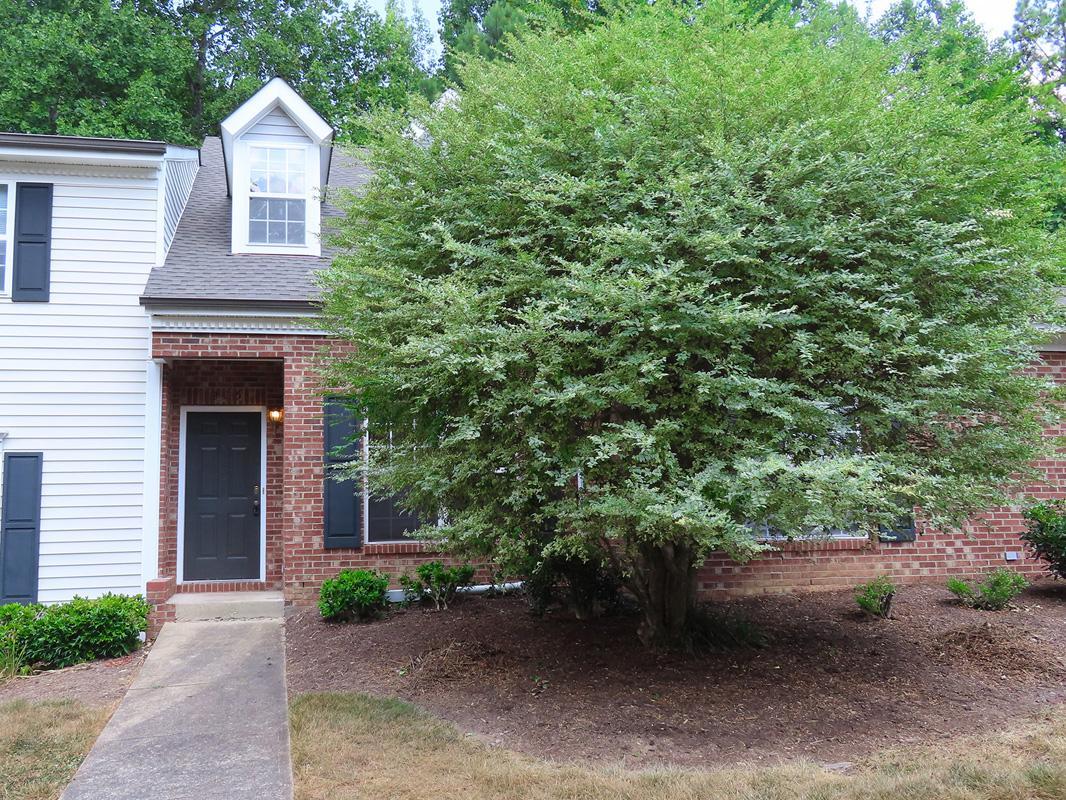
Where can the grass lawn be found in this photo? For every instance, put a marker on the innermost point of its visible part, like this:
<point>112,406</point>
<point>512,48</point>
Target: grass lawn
<point>355,746</point>
<point>42,744</point>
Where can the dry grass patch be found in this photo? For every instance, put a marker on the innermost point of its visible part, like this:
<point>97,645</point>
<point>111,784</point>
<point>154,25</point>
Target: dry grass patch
<point>42,745</point>
<point>348,746</point>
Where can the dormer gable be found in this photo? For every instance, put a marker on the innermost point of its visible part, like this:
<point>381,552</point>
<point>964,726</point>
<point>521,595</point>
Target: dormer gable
<point>277,152</point>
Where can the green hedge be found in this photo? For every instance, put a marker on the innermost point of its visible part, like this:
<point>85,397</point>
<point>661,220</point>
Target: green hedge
<point>355,594</point>
<point>70,633</point>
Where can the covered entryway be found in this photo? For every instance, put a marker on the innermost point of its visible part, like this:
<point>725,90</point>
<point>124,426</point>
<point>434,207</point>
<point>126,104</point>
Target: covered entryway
<point>224,481</point>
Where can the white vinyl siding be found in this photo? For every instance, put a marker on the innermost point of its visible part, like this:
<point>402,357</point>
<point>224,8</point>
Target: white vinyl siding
<point>179,177</point>
<point>277,126</point>
<point>73,380</point>
<point>7,228</point>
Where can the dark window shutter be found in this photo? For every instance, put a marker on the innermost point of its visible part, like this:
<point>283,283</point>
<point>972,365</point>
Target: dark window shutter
<point>33,242</point>
<point>343,499</point>
<point>20,529</point>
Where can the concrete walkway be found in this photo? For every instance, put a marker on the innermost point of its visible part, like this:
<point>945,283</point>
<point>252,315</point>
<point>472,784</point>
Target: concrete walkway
<point>206,719</point>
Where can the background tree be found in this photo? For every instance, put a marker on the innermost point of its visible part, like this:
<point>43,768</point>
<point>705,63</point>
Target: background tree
<point>173,69</point>
<point>939,34</point>
<point>1039,37</point>
<point>86,67</point>
<point>682,274</point>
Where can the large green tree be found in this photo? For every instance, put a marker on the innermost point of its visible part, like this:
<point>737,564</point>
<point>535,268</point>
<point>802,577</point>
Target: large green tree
<point>172,69</point>
<point>1039,37</point>
<point>643,290</point>
<point>92,68</point>
<point>340,55</point>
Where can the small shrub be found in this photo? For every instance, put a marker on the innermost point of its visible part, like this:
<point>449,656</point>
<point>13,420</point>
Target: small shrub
<point>994,593</point>
<point>355,594</point>
<point>436,582</point>
<point>875,597</point>
<point>85,630</point>
<point>15,620</point>
<point>1046,536</point>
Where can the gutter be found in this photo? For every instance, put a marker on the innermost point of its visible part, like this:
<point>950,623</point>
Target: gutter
<point>41,141</point>
<point>397,596</point>
<point>247,304</point>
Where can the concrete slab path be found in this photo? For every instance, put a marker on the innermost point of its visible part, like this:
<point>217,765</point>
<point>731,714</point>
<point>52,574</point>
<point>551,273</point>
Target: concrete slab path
<point>206,719</point>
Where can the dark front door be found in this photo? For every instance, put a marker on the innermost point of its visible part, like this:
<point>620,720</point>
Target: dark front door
<point>222,495</point>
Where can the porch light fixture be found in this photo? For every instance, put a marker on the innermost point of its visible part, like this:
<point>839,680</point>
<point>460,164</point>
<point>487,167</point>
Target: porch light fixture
<point>276,415</point>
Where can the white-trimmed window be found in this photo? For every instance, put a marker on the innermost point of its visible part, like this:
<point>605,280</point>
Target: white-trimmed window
<point>277,203</point>
<point>7,226</point>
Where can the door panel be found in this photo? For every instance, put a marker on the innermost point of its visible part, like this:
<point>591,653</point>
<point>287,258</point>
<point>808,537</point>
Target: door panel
<point>223,458</point>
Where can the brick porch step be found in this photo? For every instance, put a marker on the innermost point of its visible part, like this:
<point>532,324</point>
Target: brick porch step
<point>199,606</point>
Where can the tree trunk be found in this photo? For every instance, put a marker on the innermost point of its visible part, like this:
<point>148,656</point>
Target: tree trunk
<point>664,580</point>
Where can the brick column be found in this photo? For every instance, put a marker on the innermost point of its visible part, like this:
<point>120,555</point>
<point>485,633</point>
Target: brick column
<point>304,471</point>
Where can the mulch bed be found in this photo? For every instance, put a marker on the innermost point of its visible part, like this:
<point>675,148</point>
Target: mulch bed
<point>98,684</point>
<point>831,685</point>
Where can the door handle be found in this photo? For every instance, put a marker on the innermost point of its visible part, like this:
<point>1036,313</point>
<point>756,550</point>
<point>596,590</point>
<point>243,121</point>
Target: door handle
<point>255,499</point>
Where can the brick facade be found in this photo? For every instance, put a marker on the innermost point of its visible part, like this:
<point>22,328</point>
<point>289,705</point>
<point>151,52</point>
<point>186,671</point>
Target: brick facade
<point>280,371</point>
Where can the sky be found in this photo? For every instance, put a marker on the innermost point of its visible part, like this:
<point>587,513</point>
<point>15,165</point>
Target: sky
<point>995,16</point>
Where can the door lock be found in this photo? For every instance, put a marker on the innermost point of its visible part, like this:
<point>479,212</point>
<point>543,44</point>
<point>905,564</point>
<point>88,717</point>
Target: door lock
<point>255,499</point>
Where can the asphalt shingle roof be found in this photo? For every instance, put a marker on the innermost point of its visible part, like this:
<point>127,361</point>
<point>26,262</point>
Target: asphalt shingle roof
<point>200,267</point>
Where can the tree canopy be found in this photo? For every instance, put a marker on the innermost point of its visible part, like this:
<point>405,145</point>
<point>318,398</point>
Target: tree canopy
<point>684,275</point>
<point>172,70</point>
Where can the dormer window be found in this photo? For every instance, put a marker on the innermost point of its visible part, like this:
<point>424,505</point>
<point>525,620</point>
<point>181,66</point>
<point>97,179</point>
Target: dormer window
<point>277,208</point>
<point>277,152</point>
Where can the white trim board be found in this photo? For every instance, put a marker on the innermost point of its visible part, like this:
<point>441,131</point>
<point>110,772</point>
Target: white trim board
<point>180,569</point>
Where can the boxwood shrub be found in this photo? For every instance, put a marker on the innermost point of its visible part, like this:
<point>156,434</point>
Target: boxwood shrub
<point>1046,536</point>
<point>355,594</point>
<point>80,630</point>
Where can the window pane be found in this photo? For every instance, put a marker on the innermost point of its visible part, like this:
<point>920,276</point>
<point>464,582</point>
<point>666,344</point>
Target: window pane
<point>259,181</point>
<point>3,212</point>
<point>386,522</point>
<point>257,208</point>
<point>296,210</point>
<point>276,232</point>
<point>257,232</point>
<point>296,233</point>
<point>276,183</point>
<point>277,209</point>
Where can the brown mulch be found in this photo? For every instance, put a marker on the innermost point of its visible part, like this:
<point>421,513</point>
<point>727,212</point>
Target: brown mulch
<point>98,684</point>
<point>831,685</point>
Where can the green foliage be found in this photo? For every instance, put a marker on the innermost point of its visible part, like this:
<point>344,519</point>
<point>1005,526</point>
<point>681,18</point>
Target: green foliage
<point>584,585</point>
<point>172,71</point>
<point>344,58</point>
<point>680,273</point>
<point>1039,38</point>
<point>436,582</point>
<point>994,593</point>
<point>15,620</point>
<point>875,597</point>
<point>1046,535</point>
<point>69,633</point>
<point>92,68</point>
<point>355,594</point>
<point>943,34</point>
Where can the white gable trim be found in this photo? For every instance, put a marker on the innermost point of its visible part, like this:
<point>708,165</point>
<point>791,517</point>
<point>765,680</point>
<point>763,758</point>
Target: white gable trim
<point>276,93</point>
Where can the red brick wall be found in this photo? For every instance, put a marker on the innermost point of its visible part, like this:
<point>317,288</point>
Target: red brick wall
<point>251,370</point>
<point>933,557</point>
<point>274,370</point>
<point>216,382</point>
